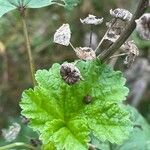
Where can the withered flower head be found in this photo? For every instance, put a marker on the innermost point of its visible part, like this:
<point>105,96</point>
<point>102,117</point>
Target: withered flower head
<point>143,26</point>
<point>63,35</point>
<point>91,20</point>
<point>122,14</point>
<point>132,50</point>
<point>85,53</point>
<point>12,132</point>
<point>70,73</point>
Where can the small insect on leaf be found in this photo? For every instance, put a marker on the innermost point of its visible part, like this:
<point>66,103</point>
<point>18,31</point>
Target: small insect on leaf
<point>87,99</point>
<point>63,35</point>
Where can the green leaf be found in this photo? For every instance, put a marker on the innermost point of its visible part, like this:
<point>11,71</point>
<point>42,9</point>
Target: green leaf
<point>5,7</point>
<point>58,113</point>
<point>8,5</point>
<point>38,3</point>
<point>69,4</point>
<point>140,136</point>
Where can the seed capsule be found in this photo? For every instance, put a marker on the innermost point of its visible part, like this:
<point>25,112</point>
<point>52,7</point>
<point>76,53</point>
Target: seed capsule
<point>122,14</point>
<point>85,53</point>
<point>92,20</point>
<point>143,26</point>
<point>70,73</point>
<point>63,35</point>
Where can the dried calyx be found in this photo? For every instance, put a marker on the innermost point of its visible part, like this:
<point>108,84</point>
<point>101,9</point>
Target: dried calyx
<point>122,14</point>
<point>70,73</point>
<point>63,35</point>
<point>85,53</point>
<point>143,26</point>
<point>131,50</point>
<point>12,132</point>
<point>91,20</point>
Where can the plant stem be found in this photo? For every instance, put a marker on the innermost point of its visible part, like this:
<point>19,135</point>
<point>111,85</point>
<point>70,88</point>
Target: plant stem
<point>113,23</point>
<point>143,5</point>
<point>123,54</point>
<point>91,35</point>
<point>28,46</point>
<point>17,144</point>
<point>72,46</point>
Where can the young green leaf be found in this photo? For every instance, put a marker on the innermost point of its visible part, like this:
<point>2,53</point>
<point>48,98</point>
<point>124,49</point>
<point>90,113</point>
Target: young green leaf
<point>58,111</point>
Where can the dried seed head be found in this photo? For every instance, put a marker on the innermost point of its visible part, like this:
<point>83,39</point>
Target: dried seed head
<point>131,50</point>
<point>122,14</point>
<point>11,133</point>
<point>87,99</point>
<point>130,47</point>
<point>143,26</point>
<point>63,35</point>
<point>70,73</point>
<point>85,53</point>
<point>92,20</point>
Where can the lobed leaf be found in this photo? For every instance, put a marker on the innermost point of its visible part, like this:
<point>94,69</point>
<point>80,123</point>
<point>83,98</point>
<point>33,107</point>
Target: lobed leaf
<point>58,111</point>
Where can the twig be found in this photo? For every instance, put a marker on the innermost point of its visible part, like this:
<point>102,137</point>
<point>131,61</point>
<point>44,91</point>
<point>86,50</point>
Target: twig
<point>113,23</point>
<point>28,46</point>
<point>143,5</point>
<point>72,46</point>
<point>17,144</point>
<point>118,55</point>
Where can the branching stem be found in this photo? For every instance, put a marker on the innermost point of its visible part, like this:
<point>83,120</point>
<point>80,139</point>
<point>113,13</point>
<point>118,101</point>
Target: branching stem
<point>113,23</point>
<point>143,5</point>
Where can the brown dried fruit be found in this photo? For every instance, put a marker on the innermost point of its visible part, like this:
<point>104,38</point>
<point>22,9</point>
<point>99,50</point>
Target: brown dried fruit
<point>70,73</point>
<point>85,53</point>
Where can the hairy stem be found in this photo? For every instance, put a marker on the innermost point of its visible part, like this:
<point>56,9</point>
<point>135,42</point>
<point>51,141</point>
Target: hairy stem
<point>143,5</point>
<point>28,46</point>
<point>17,144</point>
